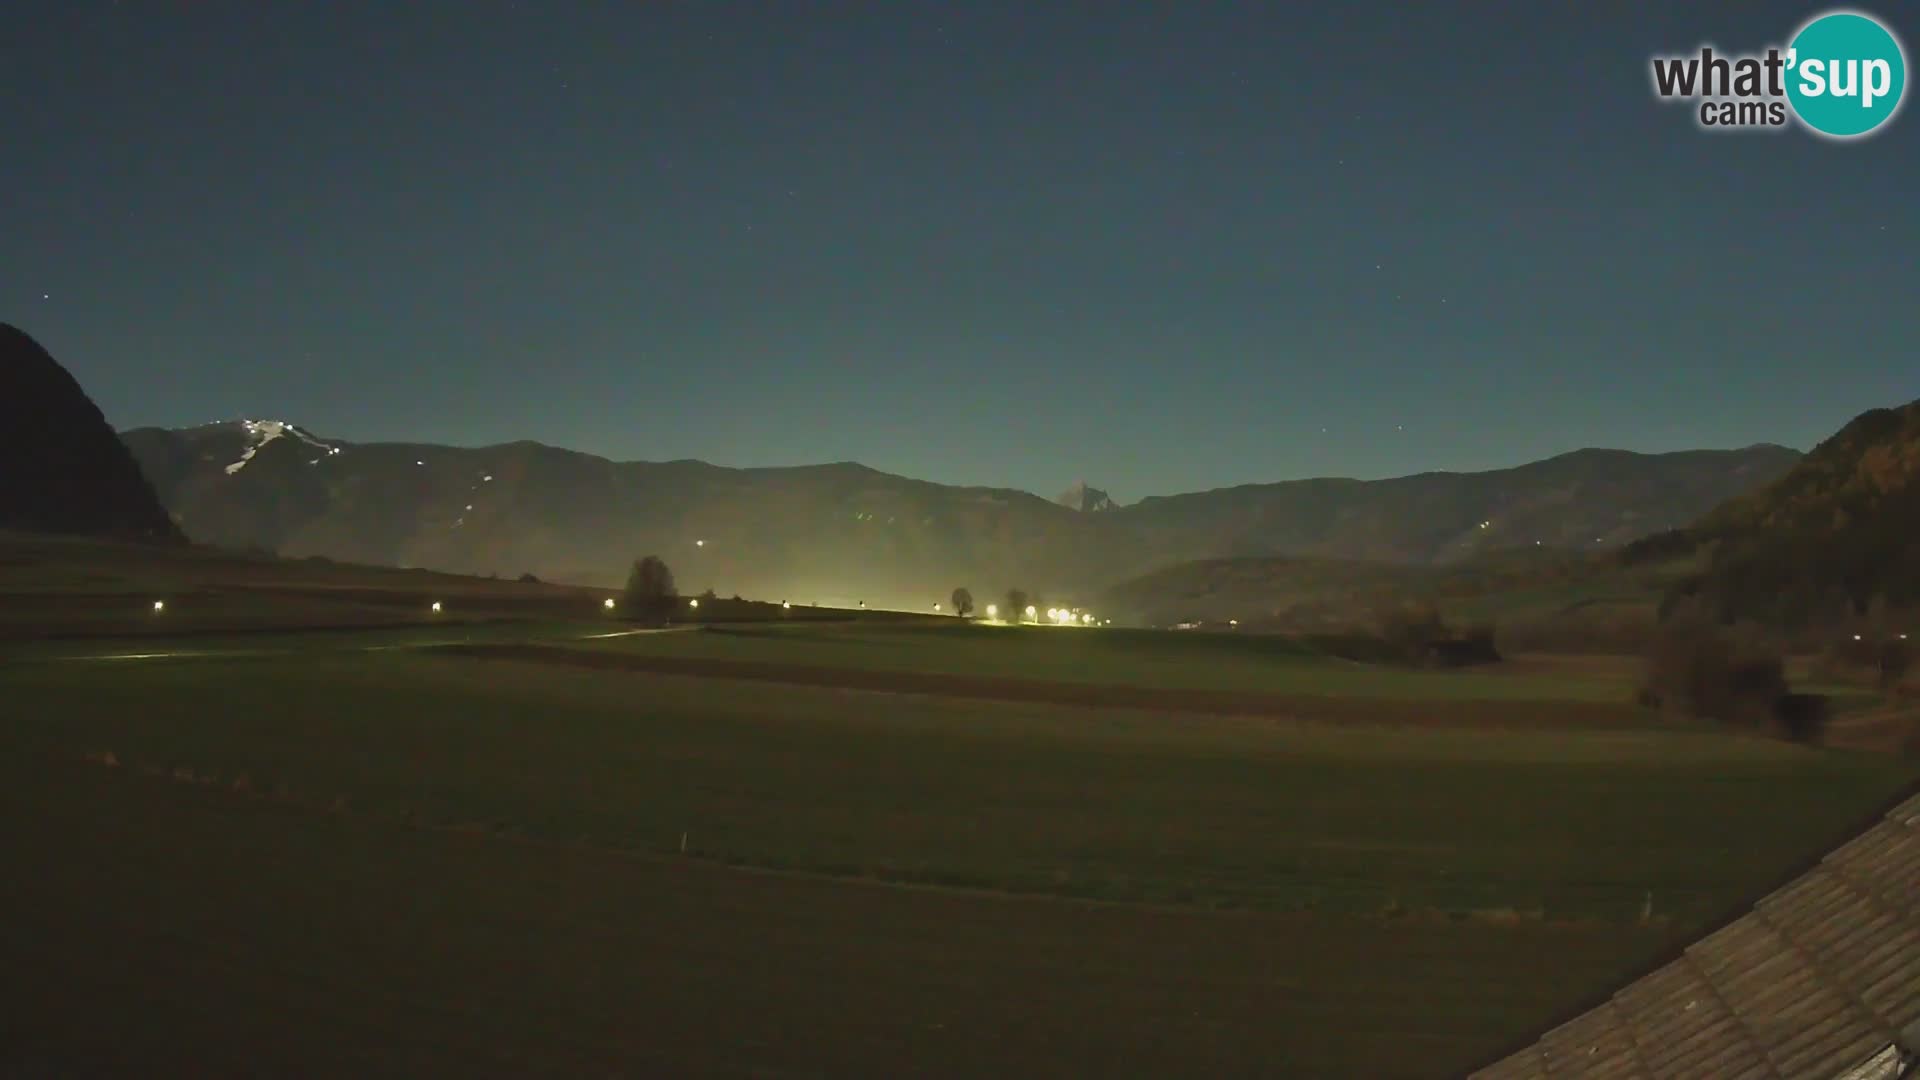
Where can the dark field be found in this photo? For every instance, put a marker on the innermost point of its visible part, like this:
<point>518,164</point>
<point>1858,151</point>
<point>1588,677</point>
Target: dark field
<point>512,845</point>
<point>171,928</point>
<point>1199,661</point>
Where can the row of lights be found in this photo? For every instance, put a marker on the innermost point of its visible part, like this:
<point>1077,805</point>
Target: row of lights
<point>1062,616</point>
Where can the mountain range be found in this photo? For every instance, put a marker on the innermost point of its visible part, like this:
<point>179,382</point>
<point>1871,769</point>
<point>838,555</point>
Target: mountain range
<point>843,533</point>
<point>1762,533</point>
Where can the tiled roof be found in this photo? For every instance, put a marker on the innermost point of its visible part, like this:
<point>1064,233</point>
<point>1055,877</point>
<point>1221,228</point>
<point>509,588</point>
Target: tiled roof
<point>1821,979</point>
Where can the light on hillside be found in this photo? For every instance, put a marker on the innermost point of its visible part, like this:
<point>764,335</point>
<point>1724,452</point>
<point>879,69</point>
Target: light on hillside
<point>993,611</point>
<point>1030,611</point>
<point>436,607</point>
<point>607,603</point>
<point>1233,622</point>
<point>693,603</point>
<point>159,606</point>
<point>1087,618</point>
<point>784,605</point>
<point>699,543</point>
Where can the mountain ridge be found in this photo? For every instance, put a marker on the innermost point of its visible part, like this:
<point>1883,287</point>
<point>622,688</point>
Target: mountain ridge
<point>847,531</point>
<point>1824,542</point>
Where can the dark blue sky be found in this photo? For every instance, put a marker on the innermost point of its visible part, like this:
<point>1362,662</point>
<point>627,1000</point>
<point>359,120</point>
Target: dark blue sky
<point>1163,247</point>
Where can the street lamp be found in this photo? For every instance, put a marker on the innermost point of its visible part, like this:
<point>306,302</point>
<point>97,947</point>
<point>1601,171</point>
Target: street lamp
<point>993,611</point>
<point>1030,611</point>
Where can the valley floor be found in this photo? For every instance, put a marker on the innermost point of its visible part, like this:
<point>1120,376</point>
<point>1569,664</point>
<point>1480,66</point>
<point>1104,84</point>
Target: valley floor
<point>539,851</point>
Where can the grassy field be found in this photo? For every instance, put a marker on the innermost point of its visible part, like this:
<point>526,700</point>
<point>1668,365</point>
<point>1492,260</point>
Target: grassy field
<point>170,928</point>
<point>1107,804</point>
<point>730,851</point>
<point>1109,657</point>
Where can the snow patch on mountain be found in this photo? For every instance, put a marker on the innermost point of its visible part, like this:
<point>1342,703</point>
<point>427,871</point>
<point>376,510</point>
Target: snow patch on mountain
<point>261,432</point>
<point>1086,499</point>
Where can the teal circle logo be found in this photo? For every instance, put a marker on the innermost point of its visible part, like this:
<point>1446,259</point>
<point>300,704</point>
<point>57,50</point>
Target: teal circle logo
<point>1846,74</point>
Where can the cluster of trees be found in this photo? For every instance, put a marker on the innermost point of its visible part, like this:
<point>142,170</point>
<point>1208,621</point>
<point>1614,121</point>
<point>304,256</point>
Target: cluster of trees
<point>1013,607</point>
<point>1734,675</point>
<point>1416,632</point>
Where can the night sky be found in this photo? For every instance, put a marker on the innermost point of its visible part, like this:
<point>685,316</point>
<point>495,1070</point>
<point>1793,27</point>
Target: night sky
<point>1162,247</point>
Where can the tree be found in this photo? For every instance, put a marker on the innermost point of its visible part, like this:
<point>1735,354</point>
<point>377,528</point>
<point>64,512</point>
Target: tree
<point>1016,605</point>
<point>962,602</point>
<point>650,593</point>
<point>1734,675</point>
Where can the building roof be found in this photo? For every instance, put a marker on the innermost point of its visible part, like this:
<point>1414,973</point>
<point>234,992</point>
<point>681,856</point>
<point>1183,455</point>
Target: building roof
<point>1821,979</point>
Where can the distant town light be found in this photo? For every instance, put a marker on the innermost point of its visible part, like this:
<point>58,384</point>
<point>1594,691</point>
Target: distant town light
<point>699,543</point>
<point>936,607</point>
<point>784,605</point>
<point>1856,637</point>
<point>436,605</point>
<point>1030,611</point>
<point>1053,613</point>
<point>607,603</point>
<point>693,603</point>
<point>1087,618</point>
<point>993,611</point>
<point>1233,622</point>
<point>159,606</point>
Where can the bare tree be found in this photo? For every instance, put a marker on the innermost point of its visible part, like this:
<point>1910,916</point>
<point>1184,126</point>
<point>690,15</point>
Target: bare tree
<point>962,602</point>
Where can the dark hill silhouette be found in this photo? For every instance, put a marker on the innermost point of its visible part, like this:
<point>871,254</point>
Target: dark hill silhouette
<point>1822,542</point>
<point>62,468</point>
